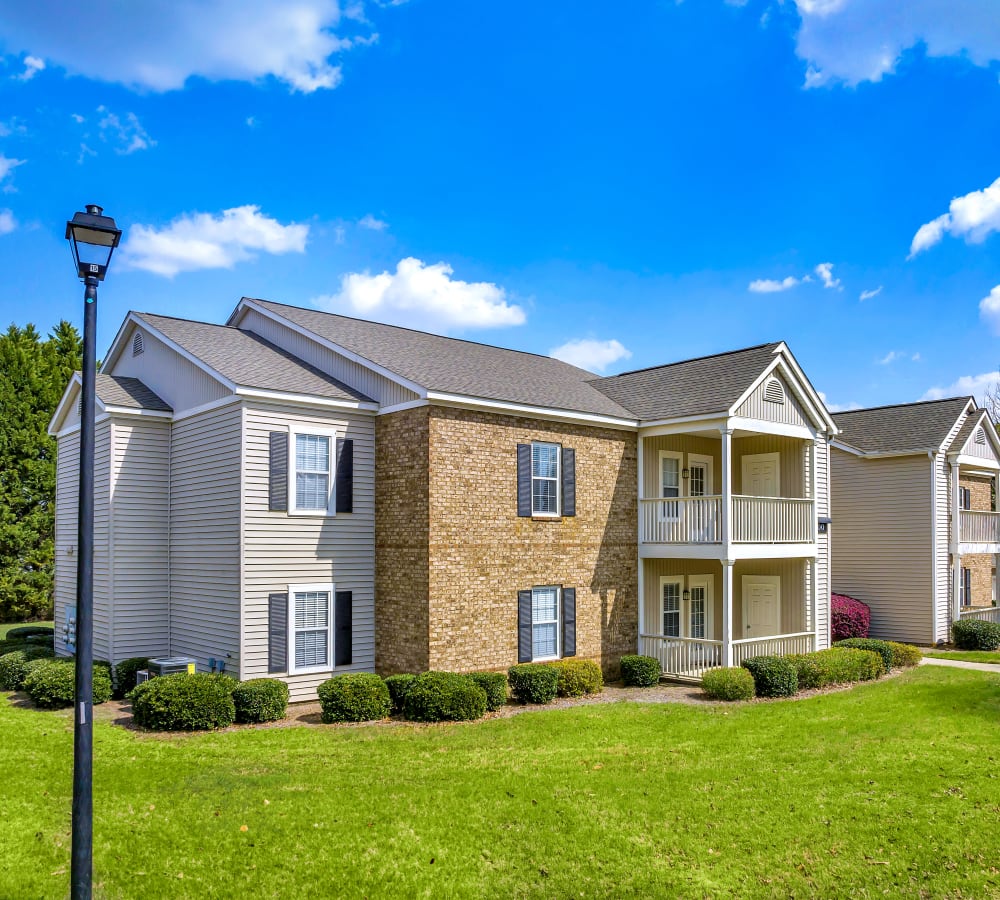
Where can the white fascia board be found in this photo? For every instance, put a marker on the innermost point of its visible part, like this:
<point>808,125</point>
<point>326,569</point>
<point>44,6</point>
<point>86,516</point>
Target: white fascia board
<point>847,448</point>
<point>247,303</point>
<point>206,407</point>
<point>68,398</point>
<point>682,425</point>
<point>399,407</point>
<point>132,411</point>
<point>541,412</point>
<point>305,399</point>
<point>762,426</point>
<point>73,429</point>
<point>806,386</point>
<point>973,462</point>
<point>771,366</point>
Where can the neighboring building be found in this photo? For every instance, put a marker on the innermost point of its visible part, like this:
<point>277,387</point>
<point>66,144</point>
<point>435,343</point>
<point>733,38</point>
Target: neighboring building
<point>298,493</point>
<point>917,532</point>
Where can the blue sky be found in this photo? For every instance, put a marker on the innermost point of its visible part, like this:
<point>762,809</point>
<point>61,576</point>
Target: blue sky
<point>632,187</point>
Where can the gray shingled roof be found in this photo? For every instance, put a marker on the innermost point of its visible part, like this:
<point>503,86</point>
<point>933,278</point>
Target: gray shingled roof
<point>454,366</point>
<point>131,393</point>
<point>248,360</point>
<point>966,430</point>
<point>710,384</point>
<point>908,426</point>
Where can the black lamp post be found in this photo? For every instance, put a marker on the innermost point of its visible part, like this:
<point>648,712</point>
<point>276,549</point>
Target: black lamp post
<point>93,238</point>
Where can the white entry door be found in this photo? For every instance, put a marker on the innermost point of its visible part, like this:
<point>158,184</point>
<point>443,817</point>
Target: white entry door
<point>761,605</point>
<point>762,475</point>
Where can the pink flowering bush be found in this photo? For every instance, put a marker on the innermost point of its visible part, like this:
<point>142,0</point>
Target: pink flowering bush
<point>849,618</point>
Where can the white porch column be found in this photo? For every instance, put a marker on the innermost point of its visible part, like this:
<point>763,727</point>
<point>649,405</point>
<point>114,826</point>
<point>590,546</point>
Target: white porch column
<point>954,528</point>
<point>996,580</point>
<point>640,468</point>
<point>727,490</point>
<point>814,601</point>
<point>642,605</point>
<point>727,612</point>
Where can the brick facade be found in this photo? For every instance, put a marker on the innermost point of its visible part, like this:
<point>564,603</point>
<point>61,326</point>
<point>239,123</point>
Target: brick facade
<point>981,490</point>
<point>980,565</point>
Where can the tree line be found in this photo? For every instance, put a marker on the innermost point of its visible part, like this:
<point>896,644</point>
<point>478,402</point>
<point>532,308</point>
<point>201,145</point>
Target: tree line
<point>34,373</point>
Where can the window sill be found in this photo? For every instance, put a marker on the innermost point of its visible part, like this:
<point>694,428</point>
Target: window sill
<point>536,517</point>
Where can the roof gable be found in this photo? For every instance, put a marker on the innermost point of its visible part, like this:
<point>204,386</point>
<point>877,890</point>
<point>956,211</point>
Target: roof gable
<point>977,438</point>
<point>113,392</point>
<point>902,428</point>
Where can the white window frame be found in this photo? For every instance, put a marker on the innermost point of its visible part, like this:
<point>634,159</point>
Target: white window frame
<point>331,505</point>
<point>708,583</point>
<point>698,459</point>
<point>665,515</point>
<point>329,589</point>
<point>540,514</point>
<point>558,622</point>
<point>679,581</point>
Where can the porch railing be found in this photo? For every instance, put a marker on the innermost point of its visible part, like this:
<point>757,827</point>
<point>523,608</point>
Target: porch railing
<point>984,614</point>
<point>682,520</point>
<point>772,520</point>
<point>682,657</point>
<point>979,527</point>
<point>777,645</point>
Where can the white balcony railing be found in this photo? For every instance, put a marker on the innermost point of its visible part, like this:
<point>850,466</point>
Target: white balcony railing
<point>682,657</point>
<point>684,520</point>
<point>984,614</point>
<point>979,527</point>
<point>772,520</point>
<point>777,645</point>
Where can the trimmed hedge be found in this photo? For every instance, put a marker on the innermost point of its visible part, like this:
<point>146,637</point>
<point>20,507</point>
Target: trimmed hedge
<point>444,697</point>
<point>849,618</point>
<point>533,682</point>
<point>640,671</point>
<point>398,685</point>
<point>125,674</point>
<point>773,676</point>
<point>882,648</point>
<point>14,666</point>
<point>578,677</point>
<point>50,683</point>
<point>973,634</point>
<point>26,631</point>
<point>837,665</point>
<point>183,702</point>
<point>904,655</point>
<point>494,684</point>
<point>10,646</point>
<point>728,683</point>
<point>260,700</point>
<point>354,697</point>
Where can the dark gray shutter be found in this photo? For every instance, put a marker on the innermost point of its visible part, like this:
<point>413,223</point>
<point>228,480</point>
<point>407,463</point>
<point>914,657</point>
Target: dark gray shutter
<point>345,476</point>
<point>277,494</point>
<point>524,626</point>
<point>277,632</point>
<point>524,479</point>
<point>569,621</point>
<point>343,610</point>
<point>568,481</point>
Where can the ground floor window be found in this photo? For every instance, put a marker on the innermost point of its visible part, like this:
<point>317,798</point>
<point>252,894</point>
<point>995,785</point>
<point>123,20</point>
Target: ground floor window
<point>545,623</point>
<point>309,627</point>
<point>965,587</point>
<point>686,606</point>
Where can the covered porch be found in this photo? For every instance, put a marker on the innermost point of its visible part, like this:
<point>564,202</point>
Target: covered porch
<point>697,614</point>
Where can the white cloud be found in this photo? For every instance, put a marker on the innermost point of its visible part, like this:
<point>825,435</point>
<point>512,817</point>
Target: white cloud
<point>825,273</point>
<point>590,354</point>
<point>252,122</point>
<point>973,217</point>
<point>76,117</point>
<point>868,295</point>
<point>127,133</point>
<point>852,41</point>
<point>372,224</point>
<point>7,165</point>
<point>838,407</point>
<point>975,385</point>
<point>32,66</point>
<point>203,241</point>
<point>423,296</point>
<point>159,45</point>
<point>7,221</point>
<point>989,309</point>
<point>771,286</point>
<point>890,357</point>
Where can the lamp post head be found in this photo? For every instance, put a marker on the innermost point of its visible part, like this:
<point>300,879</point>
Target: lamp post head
<point>93,237</point>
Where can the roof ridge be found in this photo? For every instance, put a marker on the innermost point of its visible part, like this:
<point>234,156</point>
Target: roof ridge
<point>681,362</point>
<point>847,412</point>
<point>189,321</point>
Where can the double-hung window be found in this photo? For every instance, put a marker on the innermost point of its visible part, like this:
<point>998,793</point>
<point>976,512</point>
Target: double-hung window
<point>311,473</point>
<point>545,623</point>
<point>670,484</point>
<point>309,627</point>
<point>672,607</point>
<point>544,479</point>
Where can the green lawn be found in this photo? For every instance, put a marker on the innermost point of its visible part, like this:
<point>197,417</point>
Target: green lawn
<point>5,628</point>
<point>887,789</point>
<point>984,656</point>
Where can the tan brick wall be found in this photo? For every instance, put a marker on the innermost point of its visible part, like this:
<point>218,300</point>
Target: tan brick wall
<point>980,566</point>
<point>980,490</point>
<point>482,553</point>
<point>401,541</point>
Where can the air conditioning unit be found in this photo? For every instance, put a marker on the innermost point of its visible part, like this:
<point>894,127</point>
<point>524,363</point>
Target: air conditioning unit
<point>171,665</point>
<point>142,676</point>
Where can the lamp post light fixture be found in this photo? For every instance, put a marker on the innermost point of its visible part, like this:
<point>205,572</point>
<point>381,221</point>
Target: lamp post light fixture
<point>93,238</point>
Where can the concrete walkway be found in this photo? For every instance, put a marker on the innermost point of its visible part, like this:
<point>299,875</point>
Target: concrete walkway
<point>961,664</point>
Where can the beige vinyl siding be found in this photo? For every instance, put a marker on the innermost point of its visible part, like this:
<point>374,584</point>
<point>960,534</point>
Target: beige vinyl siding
<point>824,562</point>
<point>280,550</point>
<point>788,413</point>
<point>679,443</point>
<point>180,383</point>
<point>371,384</point>
<point>880,536</point>
<point>205,536</point>
<point>980,451</point>
<point>140,479</point>
<point>792,455</point>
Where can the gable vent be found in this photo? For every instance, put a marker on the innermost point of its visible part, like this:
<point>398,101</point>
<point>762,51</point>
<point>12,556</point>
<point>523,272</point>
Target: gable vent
<point>774,392</point>
<point>137,347</point>
<point>980,436</point>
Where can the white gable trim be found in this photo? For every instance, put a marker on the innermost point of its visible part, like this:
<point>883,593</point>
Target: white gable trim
<point>785,365</point>
<point>305,399</point>
<point>986,423</point>
<point>65,404</point>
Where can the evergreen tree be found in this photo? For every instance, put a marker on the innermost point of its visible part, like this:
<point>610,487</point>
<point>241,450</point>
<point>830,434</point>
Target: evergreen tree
<point>33,375</point>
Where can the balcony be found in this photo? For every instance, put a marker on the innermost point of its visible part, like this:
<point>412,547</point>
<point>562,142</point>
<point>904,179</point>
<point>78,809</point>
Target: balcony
<point>698,520</point>
<point>979,527</point>
<point>690,658</point>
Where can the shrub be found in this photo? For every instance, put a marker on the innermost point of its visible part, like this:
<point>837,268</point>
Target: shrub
<point>260,700</point>
<point>444,697</point>
<point>354,697</point>
<point>494,685</point>
<point>533,682</point>
<point>849,618</point>
<point>773,676</point>
<point>26,631</point>
<point>640,671</point>
<point>184,702</point>
<point>732,683</point>
<point>882,648</point>
<point>904,655</point>
<point>10,646</point>
<point>973,634</point>
<point>50,683</point>
<point>838,665</point>
<point>14,666</point>
<point>125,674</point>
<point>578,677</point>
<point>398,685</point>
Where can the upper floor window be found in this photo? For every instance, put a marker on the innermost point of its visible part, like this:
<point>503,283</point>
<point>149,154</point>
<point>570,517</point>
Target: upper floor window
<point>964,498</point>
<point>774,392</point>
<point>311,474</point>
<point>544,479</point>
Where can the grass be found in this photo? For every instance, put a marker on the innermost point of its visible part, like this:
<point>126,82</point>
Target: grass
<point>889,789</point>
<point>982,656</point>
<point>7,627</point>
